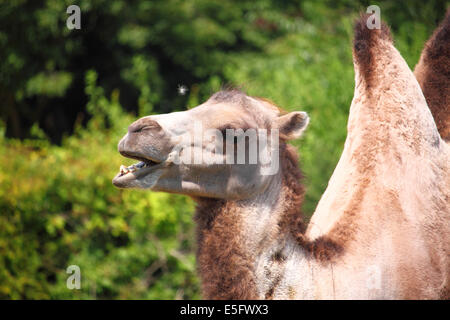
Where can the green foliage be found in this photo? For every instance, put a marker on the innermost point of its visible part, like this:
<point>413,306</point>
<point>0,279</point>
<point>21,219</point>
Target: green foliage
<point>58,207</point>
<point>57,204</point>
<point>55,84</point>
<point>144,49</point>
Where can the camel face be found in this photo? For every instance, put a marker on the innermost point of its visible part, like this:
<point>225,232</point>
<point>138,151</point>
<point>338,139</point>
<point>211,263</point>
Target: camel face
<point>224,148</point>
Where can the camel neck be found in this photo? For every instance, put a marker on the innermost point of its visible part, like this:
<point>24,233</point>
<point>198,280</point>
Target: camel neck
<point>236,239</point>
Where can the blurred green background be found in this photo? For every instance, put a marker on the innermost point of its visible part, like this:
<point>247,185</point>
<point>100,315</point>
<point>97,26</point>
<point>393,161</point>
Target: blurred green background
<point>67,97</point>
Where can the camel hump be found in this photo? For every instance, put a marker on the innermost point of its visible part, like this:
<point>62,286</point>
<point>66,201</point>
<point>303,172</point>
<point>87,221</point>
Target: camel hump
<point>369,45</point>
<point>433,74</point>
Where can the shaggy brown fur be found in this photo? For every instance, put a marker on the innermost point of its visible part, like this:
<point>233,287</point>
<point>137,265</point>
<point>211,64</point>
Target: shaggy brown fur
<point>433,74</point>
<point>226,270</point>
<point>367,48</point>
<point>225,267</point>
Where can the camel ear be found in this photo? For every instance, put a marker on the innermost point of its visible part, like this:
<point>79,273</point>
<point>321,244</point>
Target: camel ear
<point>292,125</point>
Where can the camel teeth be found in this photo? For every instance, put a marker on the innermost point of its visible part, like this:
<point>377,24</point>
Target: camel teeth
<point>133,168</point>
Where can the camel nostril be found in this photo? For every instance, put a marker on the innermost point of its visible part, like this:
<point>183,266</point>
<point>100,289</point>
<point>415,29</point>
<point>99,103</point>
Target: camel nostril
<point>143,124</point>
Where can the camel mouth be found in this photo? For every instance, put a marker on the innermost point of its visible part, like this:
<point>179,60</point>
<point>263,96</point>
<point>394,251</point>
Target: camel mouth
<point>135,171</point>
<point>136,167</point>
<point>145,162</point>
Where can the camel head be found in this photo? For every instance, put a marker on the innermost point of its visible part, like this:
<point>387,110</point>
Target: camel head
<point>225,148</point>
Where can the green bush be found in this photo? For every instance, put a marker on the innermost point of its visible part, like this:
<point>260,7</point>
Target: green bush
<point>58,208</point>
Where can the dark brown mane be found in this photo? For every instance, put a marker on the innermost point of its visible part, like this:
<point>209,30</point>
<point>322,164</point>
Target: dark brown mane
<point>368,48</point>
<point>433,74</point>
<point>224,265</point>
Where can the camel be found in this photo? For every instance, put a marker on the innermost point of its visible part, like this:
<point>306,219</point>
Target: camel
<point>380,231</point>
